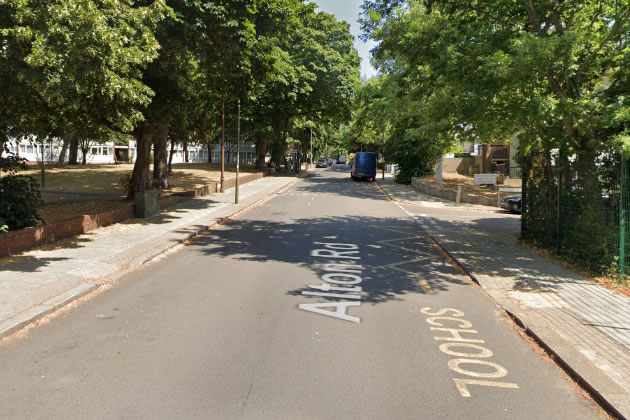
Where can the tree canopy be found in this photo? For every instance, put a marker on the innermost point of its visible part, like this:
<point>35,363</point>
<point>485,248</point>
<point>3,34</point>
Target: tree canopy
<point>163,69</point>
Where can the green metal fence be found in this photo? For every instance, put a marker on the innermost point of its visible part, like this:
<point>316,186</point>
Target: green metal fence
<point>578,206</point>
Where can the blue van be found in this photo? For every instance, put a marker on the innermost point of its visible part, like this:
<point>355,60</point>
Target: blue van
<point>363,166</point>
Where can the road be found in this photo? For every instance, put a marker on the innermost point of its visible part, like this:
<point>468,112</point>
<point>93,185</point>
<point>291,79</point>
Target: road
<point>326,301</point>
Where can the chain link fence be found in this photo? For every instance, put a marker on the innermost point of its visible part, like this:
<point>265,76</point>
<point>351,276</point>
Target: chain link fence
<point>578,206</point>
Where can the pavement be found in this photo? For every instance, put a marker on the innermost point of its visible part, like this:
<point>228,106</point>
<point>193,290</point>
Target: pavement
<point>38,282</point>
<point>583,324</point>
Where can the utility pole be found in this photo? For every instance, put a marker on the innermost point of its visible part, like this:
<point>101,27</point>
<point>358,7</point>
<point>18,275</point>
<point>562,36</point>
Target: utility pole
<point>222,141</point>
<point>238,150</point>
<point>383,152</point>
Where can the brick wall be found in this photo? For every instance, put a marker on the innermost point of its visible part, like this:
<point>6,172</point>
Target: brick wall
<point>21,240</point>
<point>242,179</point>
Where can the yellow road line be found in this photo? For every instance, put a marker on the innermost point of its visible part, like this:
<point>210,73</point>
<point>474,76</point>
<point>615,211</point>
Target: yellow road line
<point>423,282</point>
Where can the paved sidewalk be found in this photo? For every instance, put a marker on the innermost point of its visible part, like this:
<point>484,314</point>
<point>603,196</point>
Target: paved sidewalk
<point>38,282</point>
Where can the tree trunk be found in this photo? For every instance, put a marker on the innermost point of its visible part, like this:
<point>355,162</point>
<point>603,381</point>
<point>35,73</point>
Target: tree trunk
<point>170,158</point>
<point>261,150</point>
<point>186,158</point>
<point>74,151</point>
<point>209,154</point>
<point>160,159</point>
<point>43,174</point>
<point>84,153</point>
<point>140,174</point>
<point>279,144</point>
<point>67,138</point>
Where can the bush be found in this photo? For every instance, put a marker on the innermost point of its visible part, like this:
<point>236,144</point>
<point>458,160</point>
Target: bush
<point>19,200</point>
<point>19,196</point>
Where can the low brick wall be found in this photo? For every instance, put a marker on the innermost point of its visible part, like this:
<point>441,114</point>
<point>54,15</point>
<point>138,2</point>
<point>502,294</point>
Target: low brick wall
<point>451,195</point>
<point>21,240</point>
<point>242,179</point>
<point>24,239</point>
<point>200,191</point>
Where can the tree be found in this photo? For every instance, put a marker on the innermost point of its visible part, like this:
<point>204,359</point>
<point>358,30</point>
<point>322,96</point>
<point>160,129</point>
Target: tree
<point>485,70</point>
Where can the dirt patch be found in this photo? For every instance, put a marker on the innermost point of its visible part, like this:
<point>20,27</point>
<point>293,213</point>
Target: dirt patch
<point>450,181</point>
<point>57,211</point>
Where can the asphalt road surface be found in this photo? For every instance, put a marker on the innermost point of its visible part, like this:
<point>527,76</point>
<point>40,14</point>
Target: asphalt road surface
<point>326,301</point>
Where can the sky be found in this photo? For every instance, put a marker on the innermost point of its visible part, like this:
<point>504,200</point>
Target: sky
<point>349,11</point>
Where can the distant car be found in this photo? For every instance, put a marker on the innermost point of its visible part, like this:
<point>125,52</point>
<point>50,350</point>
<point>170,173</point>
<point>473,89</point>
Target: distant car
<point>322,163</point>
<point>512,203</point>
<point>341,160</point>
<point>330,162</point>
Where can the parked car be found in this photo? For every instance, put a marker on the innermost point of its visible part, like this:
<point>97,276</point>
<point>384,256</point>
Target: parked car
<point>512,203</point>
<point>341,160</point>
<point>322,163</point>
<point>330,162</point>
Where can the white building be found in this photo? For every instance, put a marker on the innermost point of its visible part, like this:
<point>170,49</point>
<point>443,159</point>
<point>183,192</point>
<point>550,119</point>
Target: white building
<point>109,152</point>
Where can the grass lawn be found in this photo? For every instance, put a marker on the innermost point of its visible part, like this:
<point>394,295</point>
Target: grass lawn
<point>105,179</point>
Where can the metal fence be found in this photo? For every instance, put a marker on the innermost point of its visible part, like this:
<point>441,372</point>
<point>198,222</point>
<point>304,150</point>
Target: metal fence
<point>578,206</point>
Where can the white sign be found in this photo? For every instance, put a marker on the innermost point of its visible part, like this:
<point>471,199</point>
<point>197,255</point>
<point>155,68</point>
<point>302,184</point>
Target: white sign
<point>487,179</point>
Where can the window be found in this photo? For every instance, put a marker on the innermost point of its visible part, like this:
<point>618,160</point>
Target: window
<point>94,151</point>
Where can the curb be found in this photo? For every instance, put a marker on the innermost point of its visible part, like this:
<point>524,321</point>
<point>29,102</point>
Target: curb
<point>203,229</point>
<point>35,313</point>
<point>561,362</point>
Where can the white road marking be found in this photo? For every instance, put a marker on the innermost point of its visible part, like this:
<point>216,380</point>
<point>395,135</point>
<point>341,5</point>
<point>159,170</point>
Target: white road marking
<point>344,272</point>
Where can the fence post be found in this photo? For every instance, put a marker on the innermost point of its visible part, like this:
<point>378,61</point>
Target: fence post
<point>623,217</point>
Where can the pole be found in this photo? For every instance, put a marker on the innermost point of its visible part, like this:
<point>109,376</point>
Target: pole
<point>238,150</point>
<point>623,219</point>
<point>222,141</point>
<point>383,173</point>
<point>311,161</point>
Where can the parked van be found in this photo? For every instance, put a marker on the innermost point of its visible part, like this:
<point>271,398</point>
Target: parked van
<point>363,166</point>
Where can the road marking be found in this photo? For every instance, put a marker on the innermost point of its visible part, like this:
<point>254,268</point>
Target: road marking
<point>466,352</point>
<point>423,282</point>
<point>338,271</point>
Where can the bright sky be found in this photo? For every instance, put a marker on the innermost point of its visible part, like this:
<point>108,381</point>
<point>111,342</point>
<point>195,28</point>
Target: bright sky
<point>349,11</point>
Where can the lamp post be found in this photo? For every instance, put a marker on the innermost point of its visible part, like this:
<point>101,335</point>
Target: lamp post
<point>238,150</point>
<point>222,141</point>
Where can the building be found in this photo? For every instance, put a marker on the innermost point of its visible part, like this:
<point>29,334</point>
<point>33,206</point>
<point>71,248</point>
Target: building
<point>108,152</point>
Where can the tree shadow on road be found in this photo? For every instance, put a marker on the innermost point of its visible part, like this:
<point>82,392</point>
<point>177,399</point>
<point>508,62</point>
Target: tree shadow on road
<point>395,254</point>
